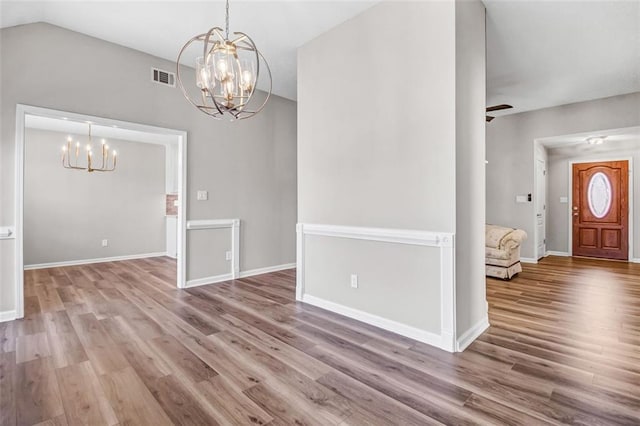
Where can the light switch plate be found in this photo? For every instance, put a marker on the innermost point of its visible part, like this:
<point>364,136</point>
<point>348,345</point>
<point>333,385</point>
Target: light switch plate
<point>202,195</point>
<point>354,280</point>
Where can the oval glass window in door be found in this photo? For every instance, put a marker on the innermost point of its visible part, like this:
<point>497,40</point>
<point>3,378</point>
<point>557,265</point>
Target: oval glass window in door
<point>599,195</point>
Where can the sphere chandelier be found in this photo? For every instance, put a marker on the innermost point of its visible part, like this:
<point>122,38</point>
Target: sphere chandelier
<point>226,74</point>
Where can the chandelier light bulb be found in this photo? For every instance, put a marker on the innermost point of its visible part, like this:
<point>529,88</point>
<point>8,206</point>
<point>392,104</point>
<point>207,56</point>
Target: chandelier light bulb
<point>222,69</point>
<point>107,165</point>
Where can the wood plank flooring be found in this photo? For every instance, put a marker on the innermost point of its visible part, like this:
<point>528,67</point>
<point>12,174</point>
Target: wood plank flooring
<point>117,343</point>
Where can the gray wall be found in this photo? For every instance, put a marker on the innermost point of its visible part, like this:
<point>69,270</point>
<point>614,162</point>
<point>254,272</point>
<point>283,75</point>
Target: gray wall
<point>371,151</point>
<point>510,152</point>
<point>471,306</point>
<point>248,167</point>
<point>214,242</point>
<point>377,142</point>
<point>392,286</point>
<point>559,169</point>
<point>67,213</point>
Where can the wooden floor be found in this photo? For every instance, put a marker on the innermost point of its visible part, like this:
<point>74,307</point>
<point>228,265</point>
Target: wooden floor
<point>116,343</point>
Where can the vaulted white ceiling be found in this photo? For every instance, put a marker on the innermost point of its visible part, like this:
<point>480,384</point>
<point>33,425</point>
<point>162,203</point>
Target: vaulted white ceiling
<point>539,53</point>
<point>162,27</point>
<point>548,53</point>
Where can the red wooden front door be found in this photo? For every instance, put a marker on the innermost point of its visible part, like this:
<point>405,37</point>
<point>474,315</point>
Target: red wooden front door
<point>601,210</point>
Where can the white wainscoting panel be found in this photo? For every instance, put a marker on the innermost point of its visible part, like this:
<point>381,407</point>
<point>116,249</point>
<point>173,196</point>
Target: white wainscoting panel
<point>234,225</point>
<point>446,339</point>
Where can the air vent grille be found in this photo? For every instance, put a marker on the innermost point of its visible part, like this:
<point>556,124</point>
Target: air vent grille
<point>165,78</point>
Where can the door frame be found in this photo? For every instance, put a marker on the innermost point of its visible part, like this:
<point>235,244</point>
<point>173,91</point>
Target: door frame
<point>570,163</point>
<point>539,152</point>
<point>21,112</point>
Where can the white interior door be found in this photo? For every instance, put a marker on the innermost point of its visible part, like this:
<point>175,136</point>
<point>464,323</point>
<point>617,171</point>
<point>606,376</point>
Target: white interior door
<point>541,188</point>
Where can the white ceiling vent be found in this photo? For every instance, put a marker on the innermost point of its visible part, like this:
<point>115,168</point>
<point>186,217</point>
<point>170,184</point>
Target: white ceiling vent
<point>165,78</point>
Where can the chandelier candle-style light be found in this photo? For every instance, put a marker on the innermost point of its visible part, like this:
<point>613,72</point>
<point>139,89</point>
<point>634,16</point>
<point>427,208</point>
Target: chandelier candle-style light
<point>226,74</point>
<point>109,158</point>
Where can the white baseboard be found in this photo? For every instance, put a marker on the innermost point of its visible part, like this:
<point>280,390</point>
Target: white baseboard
<point>557,253</point>
<point>88,261</point>
<point>227,277</point>
<point>636,260</point>
<point>528,260</point>
<point>266,270</point>
<point>472,334</point>
<point>7,316</point>
<point>386,324</point>
<point>208,280</point>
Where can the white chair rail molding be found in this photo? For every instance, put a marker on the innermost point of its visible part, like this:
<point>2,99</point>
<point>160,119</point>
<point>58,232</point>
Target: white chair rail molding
<point>399,280</point>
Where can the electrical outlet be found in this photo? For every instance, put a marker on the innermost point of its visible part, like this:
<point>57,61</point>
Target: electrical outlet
<point>105,243</point>
<point>202,195</point>
<point>354,280</point>
<point>228,255</point>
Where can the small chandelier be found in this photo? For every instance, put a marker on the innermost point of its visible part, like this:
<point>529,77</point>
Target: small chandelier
<point>226,74</point>
<point>108,163</point>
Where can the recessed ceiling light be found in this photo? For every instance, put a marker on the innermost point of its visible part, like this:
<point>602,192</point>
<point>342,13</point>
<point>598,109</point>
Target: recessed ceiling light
<point>596,140</point>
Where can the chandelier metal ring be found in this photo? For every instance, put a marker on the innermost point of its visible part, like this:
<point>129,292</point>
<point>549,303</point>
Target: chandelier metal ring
<point>227,74</point>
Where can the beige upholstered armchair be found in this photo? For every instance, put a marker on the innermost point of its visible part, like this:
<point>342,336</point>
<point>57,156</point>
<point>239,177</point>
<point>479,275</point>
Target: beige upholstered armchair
<point>502,251</point>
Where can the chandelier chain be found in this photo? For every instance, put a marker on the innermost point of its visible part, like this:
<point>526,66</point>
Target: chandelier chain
<point>227,21</point>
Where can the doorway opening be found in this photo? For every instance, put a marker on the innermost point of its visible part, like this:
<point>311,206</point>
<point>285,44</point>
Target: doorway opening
<point>48,121</point>
<point>587,235</point>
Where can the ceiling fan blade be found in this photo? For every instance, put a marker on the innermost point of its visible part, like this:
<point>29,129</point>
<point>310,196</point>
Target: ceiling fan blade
<point>498,107</point>
<point>489,118</point>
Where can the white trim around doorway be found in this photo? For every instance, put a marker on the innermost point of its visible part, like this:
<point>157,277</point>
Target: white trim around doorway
<point>21,112</point>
